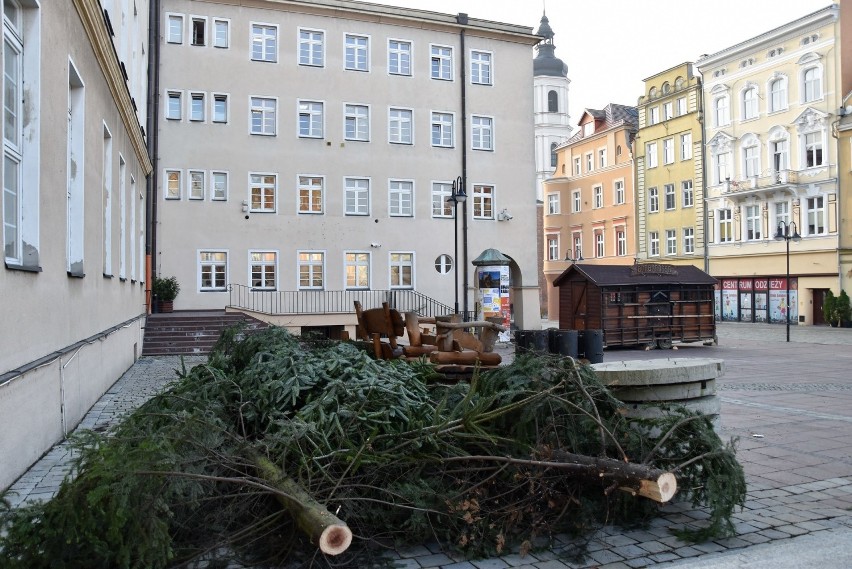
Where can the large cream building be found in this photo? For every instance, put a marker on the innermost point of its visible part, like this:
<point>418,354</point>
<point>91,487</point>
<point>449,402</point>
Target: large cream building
<point>771,160</point>
<point>74,170</point>
<point>311,147</point>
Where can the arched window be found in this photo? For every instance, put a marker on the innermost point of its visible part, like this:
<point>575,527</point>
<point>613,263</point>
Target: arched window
<point>553,155</point>
<point>723,111</point>
<point>552,102</point>
<point>778,95</point>
<point>750,103</point>
<point>812,79</point>
<point>618,150</point>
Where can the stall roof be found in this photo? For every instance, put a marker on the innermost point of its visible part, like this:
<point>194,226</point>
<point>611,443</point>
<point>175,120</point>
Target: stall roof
<point>638,274</point>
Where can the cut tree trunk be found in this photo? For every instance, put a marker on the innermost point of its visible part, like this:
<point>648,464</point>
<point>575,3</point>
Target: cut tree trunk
<point>327,531</point>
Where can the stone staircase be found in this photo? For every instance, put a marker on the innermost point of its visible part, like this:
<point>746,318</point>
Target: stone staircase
<point>190,332</point>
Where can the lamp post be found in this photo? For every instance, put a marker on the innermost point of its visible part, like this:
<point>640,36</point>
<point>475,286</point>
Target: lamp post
<point>784,233</point>
<point>457,197</point>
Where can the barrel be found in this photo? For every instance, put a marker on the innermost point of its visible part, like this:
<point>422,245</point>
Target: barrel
<point>564,342</point>
<point>593,346</point>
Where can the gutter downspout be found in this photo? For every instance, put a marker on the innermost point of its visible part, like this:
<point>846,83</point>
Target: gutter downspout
<point>153,139</point>
<point>462,20</point>
<point>705,219</point>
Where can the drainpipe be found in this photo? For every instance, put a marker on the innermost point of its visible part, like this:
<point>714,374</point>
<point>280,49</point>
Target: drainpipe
<point>462,20</point>
<point>152,131</point>
<point>705,219</point>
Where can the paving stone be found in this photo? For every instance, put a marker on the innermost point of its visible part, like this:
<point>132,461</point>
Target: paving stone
<point>811,526</point>
<point>792,529</point>
<point>709,547</point>
<point>460,565</point>
<point>733,542</point>
<point>630,551</point>
<point>654,546</point>
<point>616,565</point>
<point>663,557</point>
<point>553,564</point>
<point>605,556</point>
<point>490,564</point>
<point>440,559</point>
<point>415,551</point>
<point>774,533</point>
<point>755,538</point>
<point>638,562</point>
<point>619,540</point>
<point>687,551</point>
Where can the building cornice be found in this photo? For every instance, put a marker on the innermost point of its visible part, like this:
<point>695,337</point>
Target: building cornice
<point>93,22</point>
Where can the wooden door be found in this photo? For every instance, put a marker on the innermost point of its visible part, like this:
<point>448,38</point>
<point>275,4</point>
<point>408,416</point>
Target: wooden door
<point>819,301</point>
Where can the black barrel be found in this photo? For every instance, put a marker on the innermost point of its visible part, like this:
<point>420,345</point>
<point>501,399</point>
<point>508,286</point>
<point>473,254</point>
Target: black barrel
<point>593,346</point>
<point>521,341</point>
<point>539,341</point>
<point>564,343</point>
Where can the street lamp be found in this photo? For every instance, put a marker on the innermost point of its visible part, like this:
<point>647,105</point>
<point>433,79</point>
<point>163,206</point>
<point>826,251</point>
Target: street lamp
<point>457,197</point>
<point>784,233</point>
<point>568,257</point>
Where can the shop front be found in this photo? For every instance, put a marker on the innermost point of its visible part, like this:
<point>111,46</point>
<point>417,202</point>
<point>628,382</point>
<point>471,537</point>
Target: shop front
<point>757,299</point>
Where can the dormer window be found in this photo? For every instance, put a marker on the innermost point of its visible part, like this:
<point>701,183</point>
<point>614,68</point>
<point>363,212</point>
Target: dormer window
<point>589,129</point>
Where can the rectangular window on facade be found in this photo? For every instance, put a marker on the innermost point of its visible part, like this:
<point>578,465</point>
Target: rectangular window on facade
<point>782,213</point>
<point>654,243</point>
<point>721,163</point>
<point>402,270</point>
<point>602,158</point>
<point>751,161</point>
<point>175,28</point>
<point>483,202</point>
<point>263,269</point>
<point>577,239</point>
<point>669,191</point>
<point>399,57</point>
<point>220,108</point>
<point>310,194</point>
<point>686,194</point>
<point>199,31</point>
<point>263,116</point>
<point>357,123</point>
<point>752,221</point>
<point>671,242</point>
<point>357,268</point>
<point>599,244</point>
<point>219,185</point>
<point>668,151</point>
<point>221,33</point>
<point>620,242</point>
<point>813,149</point>
<point>816,215</point>
<point>400,126</point>
<point>576,201</point>
<point>668,110</point>
<point>311,48</point>
<point>688,240</point>
<point>212,271</point>
<point>174,106</point>
<point>441,192</point>
<point>401,198</point>
<point>653,115</point>
<point>597,197</point>
<point>653,200</point>
<point>442,62</point>
<point>357,55</point>
<point>779,151</point>
<point>480,67</point>
<point>482,133</point>
<point>553,247</point>
<point>442,129</point>
<point>310,119</point>
<point>681,106</point>
<point>651,155</point>
<point>262,192</point>
<point>686,146</point>
<point>357,196</point>
<point>196,184</point>
<point>196,107</point>
<point>726,227</point>
<point>173,185</point>
<point>553,204</point>
<point>311,270</point>
<point>264,43</point>
<point>619,192</point>
<point>590,162</point>
<point>577,170</point>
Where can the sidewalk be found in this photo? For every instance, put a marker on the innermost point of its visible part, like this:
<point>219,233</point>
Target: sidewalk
<point>789,403</point>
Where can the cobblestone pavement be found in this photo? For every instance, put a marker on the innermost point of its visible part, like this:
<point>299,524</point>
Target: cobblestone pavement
<point>790,404</point>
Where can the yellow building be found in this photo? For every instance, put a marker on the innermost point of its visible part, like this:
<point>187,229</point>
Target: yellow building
<point>771,107</point>
<point>669,186</point>
<point>589,209</point>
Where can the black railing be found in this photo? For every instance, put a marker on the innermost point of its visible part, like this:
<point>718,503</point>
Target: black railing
<point>333,301</point>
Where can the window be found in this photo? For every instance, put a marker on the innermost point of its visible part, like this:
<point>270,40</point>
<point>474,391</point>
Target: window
<point>778,95</point>
<point>199,31</point>
<point>220,185</point>
<point>310,119</point>
<point>599,244</point>
<point>602,158</point>
<point>173,184</point>
<point>442,206</point>
<point>357,196</point>
<point>311,194</point>
<point>553,204</point>
<point>264,43</point>
<point>196,107</point>
<point>263,116</point>
<point>196,185</point>
<point>590,163</point>
<point>812,83</point>
<point>400,126</point>
<point>686,146</point>
<point>480,67</point>
<point>653,115</point>
<point>262,192</point>
<point>671,201</point>
<point>752,222</point>
<point>597,197</point>
<point>651,154</point>
<point>356,57</point>
<point>687,196</point>
<point>483,202</point>
<point>668,110</point>
<point>654,243</point>
<point>780,158</point>
<point>751,161</point>
<point>721,167</point>
<point>671,242</point>
<point>482,133</point>
<point>816,215</point>
<point>107,193</point>
<point>750,103</point>
<point>402,270</point>
<point>443,264</point>
<point>357,123</point>
<point>578,245</point>
<point>619,192</point>
<point>553,247</point>
<point>311,48</point>
<point>681,106</point>
<point>653,200</point>
<point>399,57</point>
<point>173,105</point>
<point>357,269</point>
<point>221,33</point>
<point>575,201</point>
<point>617,151</point>
<point>552,102</point>
<point>726,228</point>
<point>442,129</point>
<point>401,198</point>
<point>577,170</point>
<point>442,62</point>
<point>212,271</point>
<point>688,240</point>
<point>220,108</point>
<point>262,265</point>
<point>813,149</point>
<point>620,242</point>
<point>668,151</point>
<point>175,31</point>
<point>554,159</point>
<point>782,213</point>
<point>311,269</point>
<point>723,111</point>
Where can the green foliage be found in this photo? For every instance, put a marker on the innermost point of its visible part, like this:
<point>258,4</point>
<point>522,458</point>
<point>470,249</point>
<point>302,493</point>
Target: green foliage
<point>828,307</point>
<point>843,309</point>
<point>165,288</point>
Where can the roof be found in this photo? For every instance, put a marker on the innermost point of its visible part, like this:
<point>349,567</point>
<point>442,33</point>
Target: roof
<point>638,274</point>
<point>546,63</point>
<point>612,115</point>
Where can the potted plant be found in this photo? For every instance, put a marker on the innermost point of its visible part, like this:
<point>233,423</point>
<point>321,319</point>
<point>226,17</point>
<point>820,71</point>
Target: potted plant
<point>165,291</point>
<point>828,307</point>
<point>842,309</point>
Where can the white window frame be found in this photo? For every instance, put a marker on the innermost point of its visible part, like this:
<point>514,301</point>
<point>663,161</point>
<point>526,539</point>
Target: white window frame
<point>671,242</point>
<point>777,99</point>
<point>722,167</point>
<point>813,142</point>
<point>197,106</point>
<point>400,125</point>
<point>668,151</point>
<point>204,38</point>
<point>307,46</point>
<point>196,181</point>
<point>219,190</point>
<point>668,110</point>
<point>577,238</point>
<point>169,192</point>
<point>750,103</point>
<point>687,194</point>
<point>356,196</point>
<point>816,213</point>
<point>653,200</point>
<point>669,197</point>
<point>751,160</point>
<point>259,106</point>
<point>400,198</point>
<point>356,122</point>
<point>576,201</point>
<point>779,150</point>
<point>172,96</point>
<point>724,225</point>
<point>360,263</point>
<point>399,58</point>
<point>442,207</point>
<point>265,37</point>
<point>171,35</point>
<point>600,244</point>
<point>356,55</point>
<point>688,241</point>
<point>258,181</point>
<point>483,201</point>
<point>310,192</point>
<point>552,247</point>
<point>314,112</point>
<point>812,89</point>
<point>442,56</point>
<point>620,241</point>
<point>481,67</point>
<point>618,192</point>
<point>215,108</point>
<point>314,262</point>
<point>602,163</point>
<point>214,264</point>
<point>597,197</point>
<point>682,106</point>
<point>553,203</point>
<point>781,212</point>
<point>444,123</point>
<point>577,166</point>
<point>654,244</point>
<point>686,146</point>
<point>721,110</point>
<point>405,259</point>
<point>221,42</point>
<point>266,262</point>
<point>651,157</point>
<point>590,162</point>
<point>752,222</point>
<point>481,132</point>
<point>653,115</point>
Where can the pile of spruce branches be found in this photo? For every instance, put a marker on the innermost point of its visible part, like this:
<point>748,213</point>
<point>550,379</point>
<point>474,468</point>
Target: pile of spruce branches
<point>399,455</point>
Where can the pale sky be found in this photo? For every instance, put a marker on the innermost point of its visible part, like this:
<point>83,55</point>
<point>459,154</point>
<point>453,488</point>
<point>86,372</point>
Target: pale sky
<point>610,46</point>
